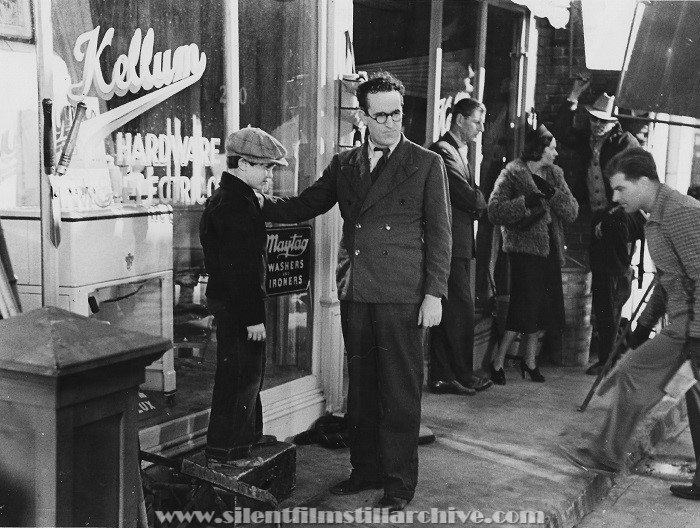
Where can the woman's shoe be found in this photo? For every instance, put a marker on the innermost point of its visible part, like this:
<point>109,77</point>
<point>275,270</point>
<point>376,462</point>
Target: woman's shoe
<point>535,374</point>
<point>497,376</point>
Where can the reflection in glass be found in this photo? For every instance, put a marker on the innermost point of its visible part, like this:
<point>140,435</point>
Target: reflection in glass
<point>278,77</point>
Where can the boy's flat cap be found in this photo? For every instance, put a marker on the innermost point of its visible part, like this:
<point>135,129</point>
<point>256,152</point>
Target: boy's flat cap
<point>256,145</point>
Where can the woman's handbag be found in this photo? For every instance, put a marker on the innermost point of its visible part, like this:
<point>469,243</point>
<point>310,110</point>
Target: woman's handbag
<point>499,309</point>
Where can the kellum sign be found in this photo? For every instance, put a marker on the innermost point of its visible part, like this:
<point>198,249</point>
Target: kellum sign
<point>288,259</point>
<point>160,75</point>
<point>139,69</point>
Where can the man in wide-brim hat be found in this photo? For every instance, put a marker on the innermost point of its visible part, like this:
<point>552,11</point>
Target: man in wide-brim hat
<point>600,115</point>
<point>612,233</point>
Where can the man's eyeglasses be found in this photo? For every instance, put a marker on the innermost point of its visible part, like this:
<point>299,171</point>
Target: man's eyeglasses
<point>381,117</point>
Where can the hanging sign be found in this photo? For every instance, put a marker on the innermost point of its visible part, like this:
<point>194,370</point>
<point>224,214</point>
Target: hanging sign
<point>288,259</point>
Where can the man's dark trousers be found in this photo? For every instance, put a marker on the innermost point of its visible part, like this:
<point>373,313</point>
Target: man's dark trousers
<point>452,341</point>
<point>609,295</point>
<point>235,421</point>
<point>385,365</point>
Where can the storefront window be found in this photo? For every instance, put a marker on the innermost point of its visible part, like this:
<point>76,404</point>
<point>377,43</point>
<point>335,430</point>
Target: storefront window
<point>459,45</point>
<point>278,79</point>
<point>151,74</point>
<point>19,133</point>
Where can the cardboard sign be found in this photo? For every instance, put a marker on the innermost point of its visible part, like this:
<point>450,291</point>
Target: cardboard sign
<point>288,259</point>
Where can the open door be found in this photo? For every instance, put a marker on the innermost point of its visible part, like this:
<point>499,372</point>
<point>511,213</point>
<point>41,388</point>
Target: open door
<point>500,86</point>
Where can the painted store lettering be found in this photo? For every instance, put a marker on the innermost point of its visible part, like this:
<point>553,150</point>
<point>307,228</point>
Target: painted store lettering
<point>154,70</point>
<point>158,150</point>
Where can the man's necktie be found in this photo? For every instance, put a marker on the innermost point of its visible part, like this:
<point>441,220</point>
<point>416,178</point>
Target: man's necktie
<point>380,162</point>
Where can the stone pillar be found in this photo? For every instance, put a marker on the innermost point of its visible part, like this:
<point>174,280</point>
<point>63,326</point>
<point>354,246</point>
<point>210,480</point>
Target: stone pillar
<point>68,402</point>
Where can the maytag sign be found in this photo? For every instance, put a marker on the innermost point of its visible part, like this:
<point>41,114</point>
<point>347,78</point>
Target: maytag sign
<point>288,259</point>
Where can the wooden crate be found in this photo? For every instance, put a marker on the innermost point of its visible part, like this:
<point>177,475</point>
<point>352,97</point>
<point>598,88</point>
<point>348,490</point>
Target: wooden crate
<point>275,475</point>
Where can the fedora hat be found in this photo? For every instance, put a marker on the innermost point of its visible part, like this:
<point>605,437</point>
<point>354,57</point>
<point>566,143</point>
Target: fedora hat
<point>603,107</point>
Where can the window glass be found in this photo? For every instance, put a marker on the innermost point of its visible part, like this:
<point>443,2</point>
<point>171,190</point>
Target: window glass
<point>19,126</point>
<point>151,74</point>
<point>278,79</point>
<point>459,32</point>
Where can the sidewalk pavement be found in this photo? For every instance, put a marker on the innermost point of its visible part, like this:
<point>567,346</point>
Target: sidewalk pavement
<point>496,451</point>
<point>644,499</point>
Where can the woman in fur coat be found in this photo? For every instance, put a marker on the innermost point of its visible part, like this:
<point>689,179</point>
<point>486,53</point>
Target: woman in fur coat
<point>530,201</point>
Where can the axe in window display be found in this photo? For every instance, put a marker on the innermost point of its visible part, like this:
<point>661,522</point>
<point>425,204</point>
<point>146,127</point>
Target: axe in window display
<point>63,162</point>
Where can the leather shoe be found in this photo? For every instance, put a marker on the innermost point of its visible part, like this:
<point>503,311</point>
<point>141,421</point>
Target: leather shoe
<point>584,459</point>
<point>450,387</point>
<point>478,383</point>
<point>266,440</point>
<point>352,486</point>
<point>686,492</point>
<point>391,504</point>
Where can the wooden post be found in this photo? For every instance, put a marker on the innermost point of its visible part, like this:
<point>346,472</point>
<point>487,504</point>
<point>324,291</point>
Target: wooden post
<point>69,389</point>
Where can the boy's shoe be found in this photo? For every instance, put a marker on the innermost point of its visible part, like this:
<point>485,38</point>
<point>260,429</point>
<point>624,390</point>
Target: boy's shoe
<point>266,440</point>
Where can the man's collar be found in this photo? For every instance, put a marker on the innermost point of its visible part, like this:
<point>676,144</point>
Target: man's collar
<point>371,146</point>
<point>657,210</point>
<point>460,143</point>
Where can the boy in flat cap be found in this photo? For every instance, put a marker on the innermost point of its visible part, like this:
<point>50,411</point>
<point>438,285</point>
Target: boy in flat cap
<point>232,234</point>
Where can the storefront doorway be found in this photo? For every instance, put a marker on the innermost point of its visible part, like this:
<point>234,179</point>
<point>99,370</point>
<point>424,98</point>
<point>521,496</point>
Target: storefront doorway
<point>484,50</point>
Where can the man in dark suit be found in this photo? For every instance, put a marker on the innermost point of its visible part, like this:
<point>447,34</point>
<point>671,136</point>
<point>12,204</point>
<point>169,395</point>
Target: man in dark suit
<point>393,265</point>
<point>452,341</point>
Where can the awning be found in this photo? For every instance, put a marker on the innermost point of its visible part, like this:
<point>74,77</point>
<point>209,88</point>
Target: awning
<point>662,67</point>
<point>557,11</point>
<point>606,31</point>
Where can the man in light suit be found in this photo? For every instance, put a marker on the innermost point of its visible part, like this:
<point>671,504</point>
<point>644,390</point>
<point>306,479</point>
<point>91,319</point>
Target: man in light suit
<point>452,341</point>
<point>393,265</point>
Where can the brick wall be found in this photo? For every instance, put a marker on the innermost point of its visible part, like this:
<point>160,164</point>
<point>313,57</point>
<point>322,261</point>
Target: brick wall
<point>555,75</point>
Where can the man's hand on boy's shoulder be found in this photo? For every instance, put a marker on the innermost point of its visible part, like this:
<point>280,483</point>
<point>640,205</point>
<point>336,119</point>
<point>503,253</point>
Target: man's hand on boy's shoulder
<point>256,332</point>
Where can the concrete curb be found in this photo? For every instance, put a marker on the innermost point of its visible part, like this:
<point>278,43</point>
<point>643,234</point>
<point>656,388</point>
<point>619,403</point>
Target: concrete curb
<point>665,421</point>
<point>497,453</point>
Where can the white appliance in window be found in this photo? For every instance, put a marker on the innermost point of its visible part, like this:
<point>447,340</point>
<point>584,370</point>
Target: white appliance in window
<point>115,264</point>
